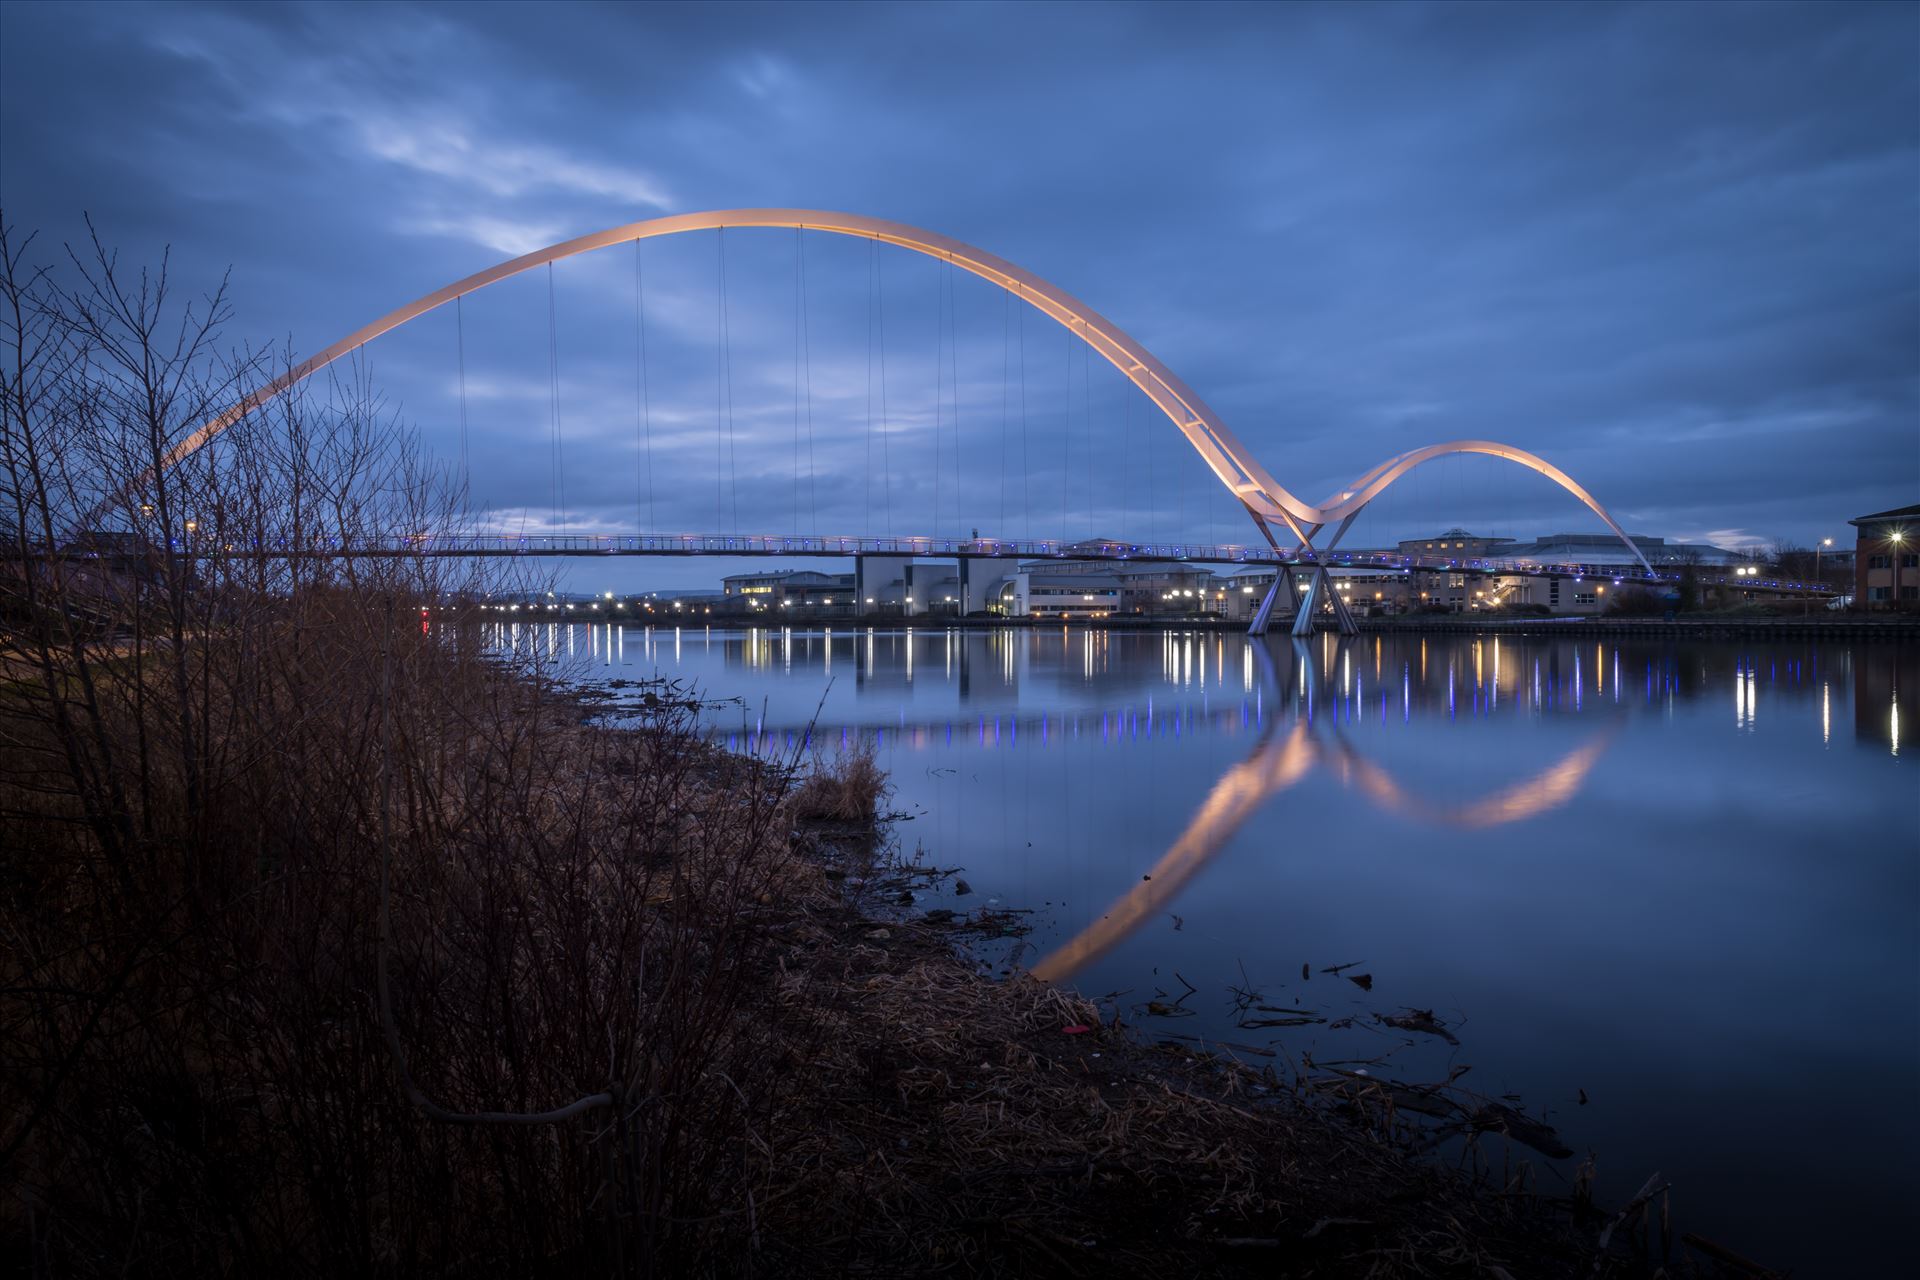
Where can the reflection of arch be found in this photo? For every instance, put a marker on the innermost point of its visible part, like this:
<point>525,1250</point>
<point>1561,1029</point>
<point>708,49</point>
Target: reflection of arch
<point>1546,790</point>
<point>1272,768</point>
<point>1265,498</point>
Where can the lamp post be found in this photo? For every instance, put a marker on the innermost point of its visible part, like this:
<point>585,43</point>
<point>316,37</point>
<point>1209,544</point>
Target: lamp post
<point>1895,539</point>
<point>1806,602</point>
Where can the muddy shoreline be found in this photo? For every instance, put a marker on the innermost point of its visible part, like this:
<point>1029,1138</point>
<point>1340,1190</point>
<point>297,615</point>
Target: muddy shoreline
<point>1122,1148</point>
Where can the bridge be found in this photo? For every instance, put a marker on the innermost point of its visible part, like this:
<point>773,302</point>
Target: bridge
<point>1287,525</point>
<point>576,545</point>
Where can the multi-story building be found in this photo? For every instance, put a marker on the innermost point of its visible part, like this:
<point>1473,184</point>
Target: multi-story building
<point>1606,548</point>
<point>787,590</point>
<point>1886,560</point>
<point>1037,592</point>
<point>1455,544</point>
<point>1137,586</point>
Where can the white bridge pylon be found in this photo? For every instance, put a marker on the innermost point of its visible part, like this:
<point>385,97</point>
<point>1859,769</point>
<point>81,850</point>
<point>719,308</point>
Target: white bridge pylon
<point>1266,500</point>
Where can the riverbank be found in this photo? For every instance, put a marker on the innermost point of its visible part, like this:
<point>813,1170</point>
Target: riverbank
<point>1007,1127</point>
<point>538,986</point>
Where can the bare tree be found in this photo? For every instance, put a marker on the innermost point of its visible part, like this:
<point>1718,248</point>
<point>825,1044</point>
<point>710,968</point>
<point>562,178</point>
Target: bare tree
<point>333,939</point>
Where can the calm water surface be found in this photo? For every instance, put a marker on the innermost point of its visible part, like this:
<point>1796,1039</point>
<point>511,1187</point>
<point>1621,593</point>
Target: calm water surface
<point>1683,879</point>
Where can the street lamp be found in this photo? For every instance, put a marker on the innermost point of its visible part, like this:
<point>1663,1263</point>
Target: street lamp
<point>1895,538</point>
<point>1806,598</point>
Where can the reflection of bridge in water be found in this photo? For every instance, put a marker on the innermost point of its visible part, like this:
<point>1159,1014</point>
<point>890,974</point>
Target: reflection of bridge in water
<point>1280,762</point>
<point>1296,701</point>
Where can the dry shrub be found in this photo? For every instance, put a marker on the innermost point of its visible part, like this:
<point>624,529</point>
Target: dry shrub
<point>846,790</point>
<point>331,945</point>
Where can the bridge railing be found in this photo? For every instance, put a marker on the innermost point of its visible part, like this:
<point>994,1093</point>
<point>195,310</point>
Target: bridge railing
<point>801,545</point>
<point>692,544</point>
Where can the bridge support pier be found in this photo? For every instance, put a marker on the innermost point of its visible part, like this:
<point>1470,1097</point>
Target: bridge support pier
<point>1321,580</point>
<point>1263,616</point>
<point>859,585</point>
<point>966,586</point>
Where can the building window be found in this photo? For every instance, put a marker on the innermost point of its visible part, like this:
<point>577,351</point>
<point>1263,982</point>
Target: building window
<point>1553,591</point>
<point>1583,597</point>
<point>1911,560</point>
<point>1910,593</point>
<point>1880,593</point>
<point>1879,562</point>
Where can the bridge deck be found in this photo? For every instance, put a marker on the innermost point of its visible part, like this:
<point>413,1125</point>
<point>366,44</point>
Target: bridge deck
<point>1012,549</point>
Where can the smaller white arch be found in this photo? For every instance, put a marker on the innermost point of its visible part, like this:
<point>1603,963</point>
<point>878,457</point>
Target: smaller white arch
<point>1369,485</point>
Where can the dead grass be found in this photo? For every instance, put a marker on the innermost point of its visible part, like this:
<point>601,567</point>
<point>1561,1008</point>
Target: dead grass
<point>846,789</point>
<point>943,1123</point>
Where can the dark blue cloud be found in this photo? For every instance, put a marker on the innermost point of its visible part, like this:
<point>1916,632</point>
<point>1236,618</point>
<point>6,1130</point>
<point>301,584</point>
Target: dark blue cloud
<point>1670,247</point>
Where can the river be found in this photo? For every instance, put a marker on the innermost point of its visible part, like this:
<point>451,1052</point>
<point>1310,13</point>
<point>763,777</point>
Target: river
<point>1666,894</point>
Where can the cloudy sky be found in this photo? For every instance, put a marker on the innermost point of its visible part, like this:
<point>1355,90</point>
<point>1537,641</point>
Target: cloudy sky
<point>1673,248</point>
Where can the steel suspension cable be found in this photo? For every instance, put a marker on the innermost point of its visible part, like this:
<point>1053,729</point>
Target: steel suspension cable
<point>1126,463</point>
<point>644,391</point>
<point>1066,437</point>
<point>1086,406</point>
<point>939,379</point>
<point>1153,512</point>
<point>460,339</point>
<point>726,337</point>
<point>557,481</point>
<point>953,354</point>
<point>806,344</point>
<point>886,446</point>
<point>796,382</point>
<point>1179,524</point>
<point>1006,382</point>
<point>872,251</point>
<point>1026,468</point>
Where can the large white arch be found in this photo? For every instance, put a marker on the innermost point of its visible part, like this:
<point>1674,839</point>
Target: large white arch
<point>1230,461</point>
<point>1222,451</point>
